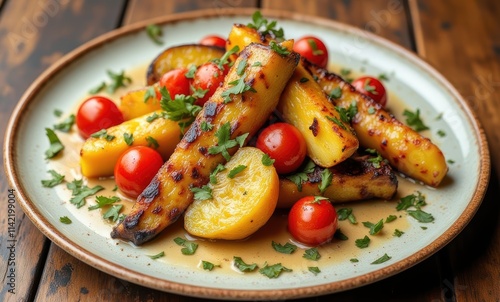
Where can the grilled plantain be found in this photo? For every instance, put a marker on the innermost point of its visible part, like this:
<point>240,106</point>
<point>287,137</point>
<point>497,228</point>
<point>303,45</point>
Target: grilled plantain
<point>250,93</point>
<point>360,177</point>
<point>405,149</point>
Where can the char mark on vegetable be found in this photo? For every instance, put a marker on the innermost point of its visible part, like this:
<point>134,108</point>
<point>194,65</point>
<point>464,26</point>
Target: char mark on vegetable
<point>314,127</point>
<point>151,191</point>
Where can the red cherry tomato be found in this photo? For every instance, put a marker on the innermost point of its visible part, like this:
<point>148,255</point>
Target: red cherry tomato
<point>312,220</point>
<point>371,87</point>
<point>213,40</point>
<point>176,82</point>
<point>97,113</point>
<point>285,144</point>
<point>208,77</point>
<point>312,49</point>
<point>135,169</point>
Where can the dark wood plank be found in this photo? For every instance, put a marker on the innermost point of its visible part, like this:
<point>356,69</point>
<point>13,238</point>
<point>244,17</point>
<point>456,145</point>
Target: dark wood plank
<point>35,35</point>
<point>460,38</point>
<point>386,18</point>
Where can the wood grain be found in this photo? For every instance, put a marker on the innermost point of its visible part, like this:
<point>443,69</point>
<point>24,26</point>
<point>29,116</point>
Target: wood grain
<point>461,39</point>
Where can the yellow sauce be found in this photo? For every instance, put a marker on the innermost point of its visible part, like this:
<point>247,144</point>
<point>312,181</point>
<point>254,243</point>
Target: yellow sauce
<point>255,249</point>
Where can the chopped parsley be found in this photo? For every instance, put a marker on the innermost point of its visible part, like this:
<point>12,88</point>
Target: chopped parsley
<point>55,144</point>
<point>375,228</point>
<point>326,180</point>
<point>224,142</point>
<point>288,248</point>
<point>153,143</point>
<point>202,193</point>
<point>336,93</point>
<point>339,235</point>
<point>336,121</point>
<point>354,260</point>
<point>117,80</point>
<point>413,120</point>
<point>415,201</point>
<point>398,233</point>
<point>191,71</point>
<point>265,27</point>
<point>65,219</point>
<point>153,117</point>
<point>237,87</point>
<point>189,248</point>
<point>236,170</point>
<point>103,201</point>
<point>312,254</point>
<point>344,72</point>
<point>149,94</point>
<point>382,259</point>
<point>103,133</point>
<point>346,213</point>
<point>390,218</point>
<point>375,161</point>
<point>383,77</point>
<point>128,138</point>
<point>279,49</point>
<point>54,181</point>
<point>80,192</point>
<point>65,126</point>
<point>304,80</point>
<point>273,271</point>
<point>181,109</point>
<point>363,242</point>
<point>242,266</point>
<point>154,33</point>
<point>206,126</point>
<point>113,213</point>
<point>314,269</point>
<point>346,115</point>
<point>208,266</point>
<point>441,133</point>
<point>159,255</point>
<point>266,160</point>
<point>213,178</point>
<point>301,177</point>
<point>371,110</point>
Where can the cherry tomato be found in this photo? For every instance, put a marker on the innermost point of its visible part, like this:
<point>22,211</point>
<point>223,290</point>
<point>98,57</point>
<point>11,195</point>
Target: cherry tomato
<point>135,169</point>
<point>208,77</point>
<point>285,144</point>
<point>312,49</point>
<point>176,82</point>
<point>312,220</point>
<point>97,113</point>
<point>371,87</point>
<point>213,40</point>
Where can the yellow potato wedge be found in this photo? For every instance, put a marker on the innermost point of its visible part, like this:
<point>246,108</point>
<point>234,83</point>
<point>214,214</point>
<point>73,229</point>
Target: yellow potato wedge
<point>99,155</point>
<point>139,102</point>
<point>406,150</point>
<point>242,35</point>
<point>240,204</point>
<point>329,139</point>
<point>231,113</point>
<point>181,56</point>
<point>355,179</point>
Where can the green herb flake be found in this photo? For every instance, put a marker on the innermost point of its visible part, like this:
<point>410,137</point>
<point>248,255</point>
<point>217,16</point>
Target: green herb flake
<point>242,266</point>
<point>58,113</point>
<point>103,201</point>
<point>212,177</point>
<point>441,133</point>
<point>304,80</point>
<point>301,177</point>
<point>80,192</point>
<point>413,200</point>
<point>206,126</point>
<point>413,120</point>
<point>340,236</point>
<point>375,228</point>
<point>354,260</point>
<point>66,124</point>
<point>159,255</point>
<point>208,266</point>
<point>235,171</point>
<point>371,110</point>
<point>336,93</point>
<point>421,216</point>
<point>128,138</point>
<point>65,219</point>
<point>326,180</point>
<point>314,269</point>
<point>54,181</point>
<point>181,109</point>
<point>267,160</point>
<point>237,87</point>
<point>390,218</point>
<point>189,248</point>
<point>153,143</point>
<point>363,242</point>
<point>154,32</point>
<point>224,142</point>
<point>346,213</point>
<point>398,233</point>
<point>55,144</point>
<point>273,271</point>
<point>98,88</point>
<point>265,27</point>
<point>423,228</point>
<point>191,71</point>
<point>450,161</point>
<point>113,213</point>
<point>149,94</point>
<point>346,115</point>
<point>383,77</point>
<point>279,49</point>
<point>103,133</point>
<point>152,117</point>
<point>312,254</point>
<point>202,193</point>
<point>288,248</point>
<point>382,259</point>
<point>336,121</point>
<point>240,69</point>
<point>117,80</point>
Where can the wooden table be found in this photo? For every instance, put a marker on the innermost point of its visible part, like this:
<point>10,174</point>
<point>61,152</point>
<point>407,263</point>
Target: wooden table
<point>460,38</point>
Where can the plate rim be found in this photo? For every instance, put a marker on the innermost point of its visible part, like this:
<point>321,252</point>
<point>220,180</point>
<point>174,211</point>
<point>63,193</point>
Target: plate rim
<point>121,272</point>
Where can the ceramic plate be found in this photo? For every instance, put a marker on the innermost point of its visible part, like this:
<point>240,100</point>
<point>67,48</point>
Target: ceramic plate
<point>413,81</point>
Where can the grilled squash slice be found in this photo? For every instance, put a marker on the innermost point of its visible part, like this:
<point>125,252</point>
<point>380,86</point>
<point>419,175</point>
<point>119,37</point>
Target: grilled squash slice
<point>140,102</point>
<point>249,94</point>
<point>405,149</point>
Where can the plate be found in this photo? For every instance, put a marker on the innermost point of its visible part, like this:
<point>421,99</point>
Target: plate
<point>412,80</point>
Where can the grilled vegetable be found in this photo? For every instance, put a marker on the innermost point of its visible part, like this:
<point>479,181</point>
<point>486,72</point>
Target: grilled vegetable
<point>140,102</point>
<point>100,153</point>
<point>357,178</point>
<point>250,93</point>
<point>181,56</point>
<point>244,197</point>
<point>329,138</point>
<point>404,148</point>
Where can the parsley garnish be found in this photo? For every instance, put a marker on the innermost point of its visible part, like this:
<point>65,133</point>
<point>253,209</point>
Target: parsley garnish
<point>152,142</point>
<point>273,271</point>
<point>354,260</point>
<point>288,248</point>
<point>377,160</point>
<point>346,213</point>
<point>154,32</point>
<point>65,126</point>
<point>225,58</point>
<point>450,161</point>
<point>398,233</point>
<point>311,254</point>
<point>241,67</point>
<point>117,80</point>
<point>149,94</point>
<point>314,269</point>
<point>202,193</point>
<point>103,133</point>
<point>441,133</point>
<point>346,115</point>
<point>390,218</point>
<point>98,88</point>
<point>103,201</point>
<point>224,143</point>
<point>242,266</point>
<point>266,160</point>
<point>236,170</point>
<point>208,266</point>
<point>421,216</point>
<point>363,242</point>
<point>336,93</point>
<point>326,180</point>
<point>55,144</point>
<point>182,109</point>
<point>80,192</point>
<point>237,87</point>
<point>56,179</point>
<point>304,80</point>
<point>191,71</point>
<point>344,72</point>
<point>336,121</point>
<point>65,219</point>
<point>159,255</point>
<point>314,47</point>
<point>189,248</point>
<point>58,112</point>
<point>128,138</point>
<point>301,177</point>
<point>416,201</point>
<point>383,77</point>
<point>371,110</point>
<point>213,178</point>
<point>382,259</point>
<point>340,236</point>
<point>113,213</point>
<point>413,120</point>
<point>265,27</point>
<point>279,49</point>
<point>375,228</point>
<point>369,88</point>
<point>206,126</point>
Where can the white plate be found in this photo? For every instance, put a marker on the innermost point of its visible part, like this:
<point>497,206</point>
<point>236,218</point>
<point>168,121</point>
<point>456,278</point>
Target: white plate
<point>411,79</point>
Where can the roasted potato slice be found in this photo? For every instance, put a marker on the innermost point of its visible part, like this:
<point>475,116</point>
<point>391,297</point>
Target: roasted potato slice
<point>329,139</point>
<point>139,102</point>
<point>406,150</point>
<point>99,155</point>
<point>249,94</point>
<point>240,204</point>
<point>355,179</point>
<point>181,56</point>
